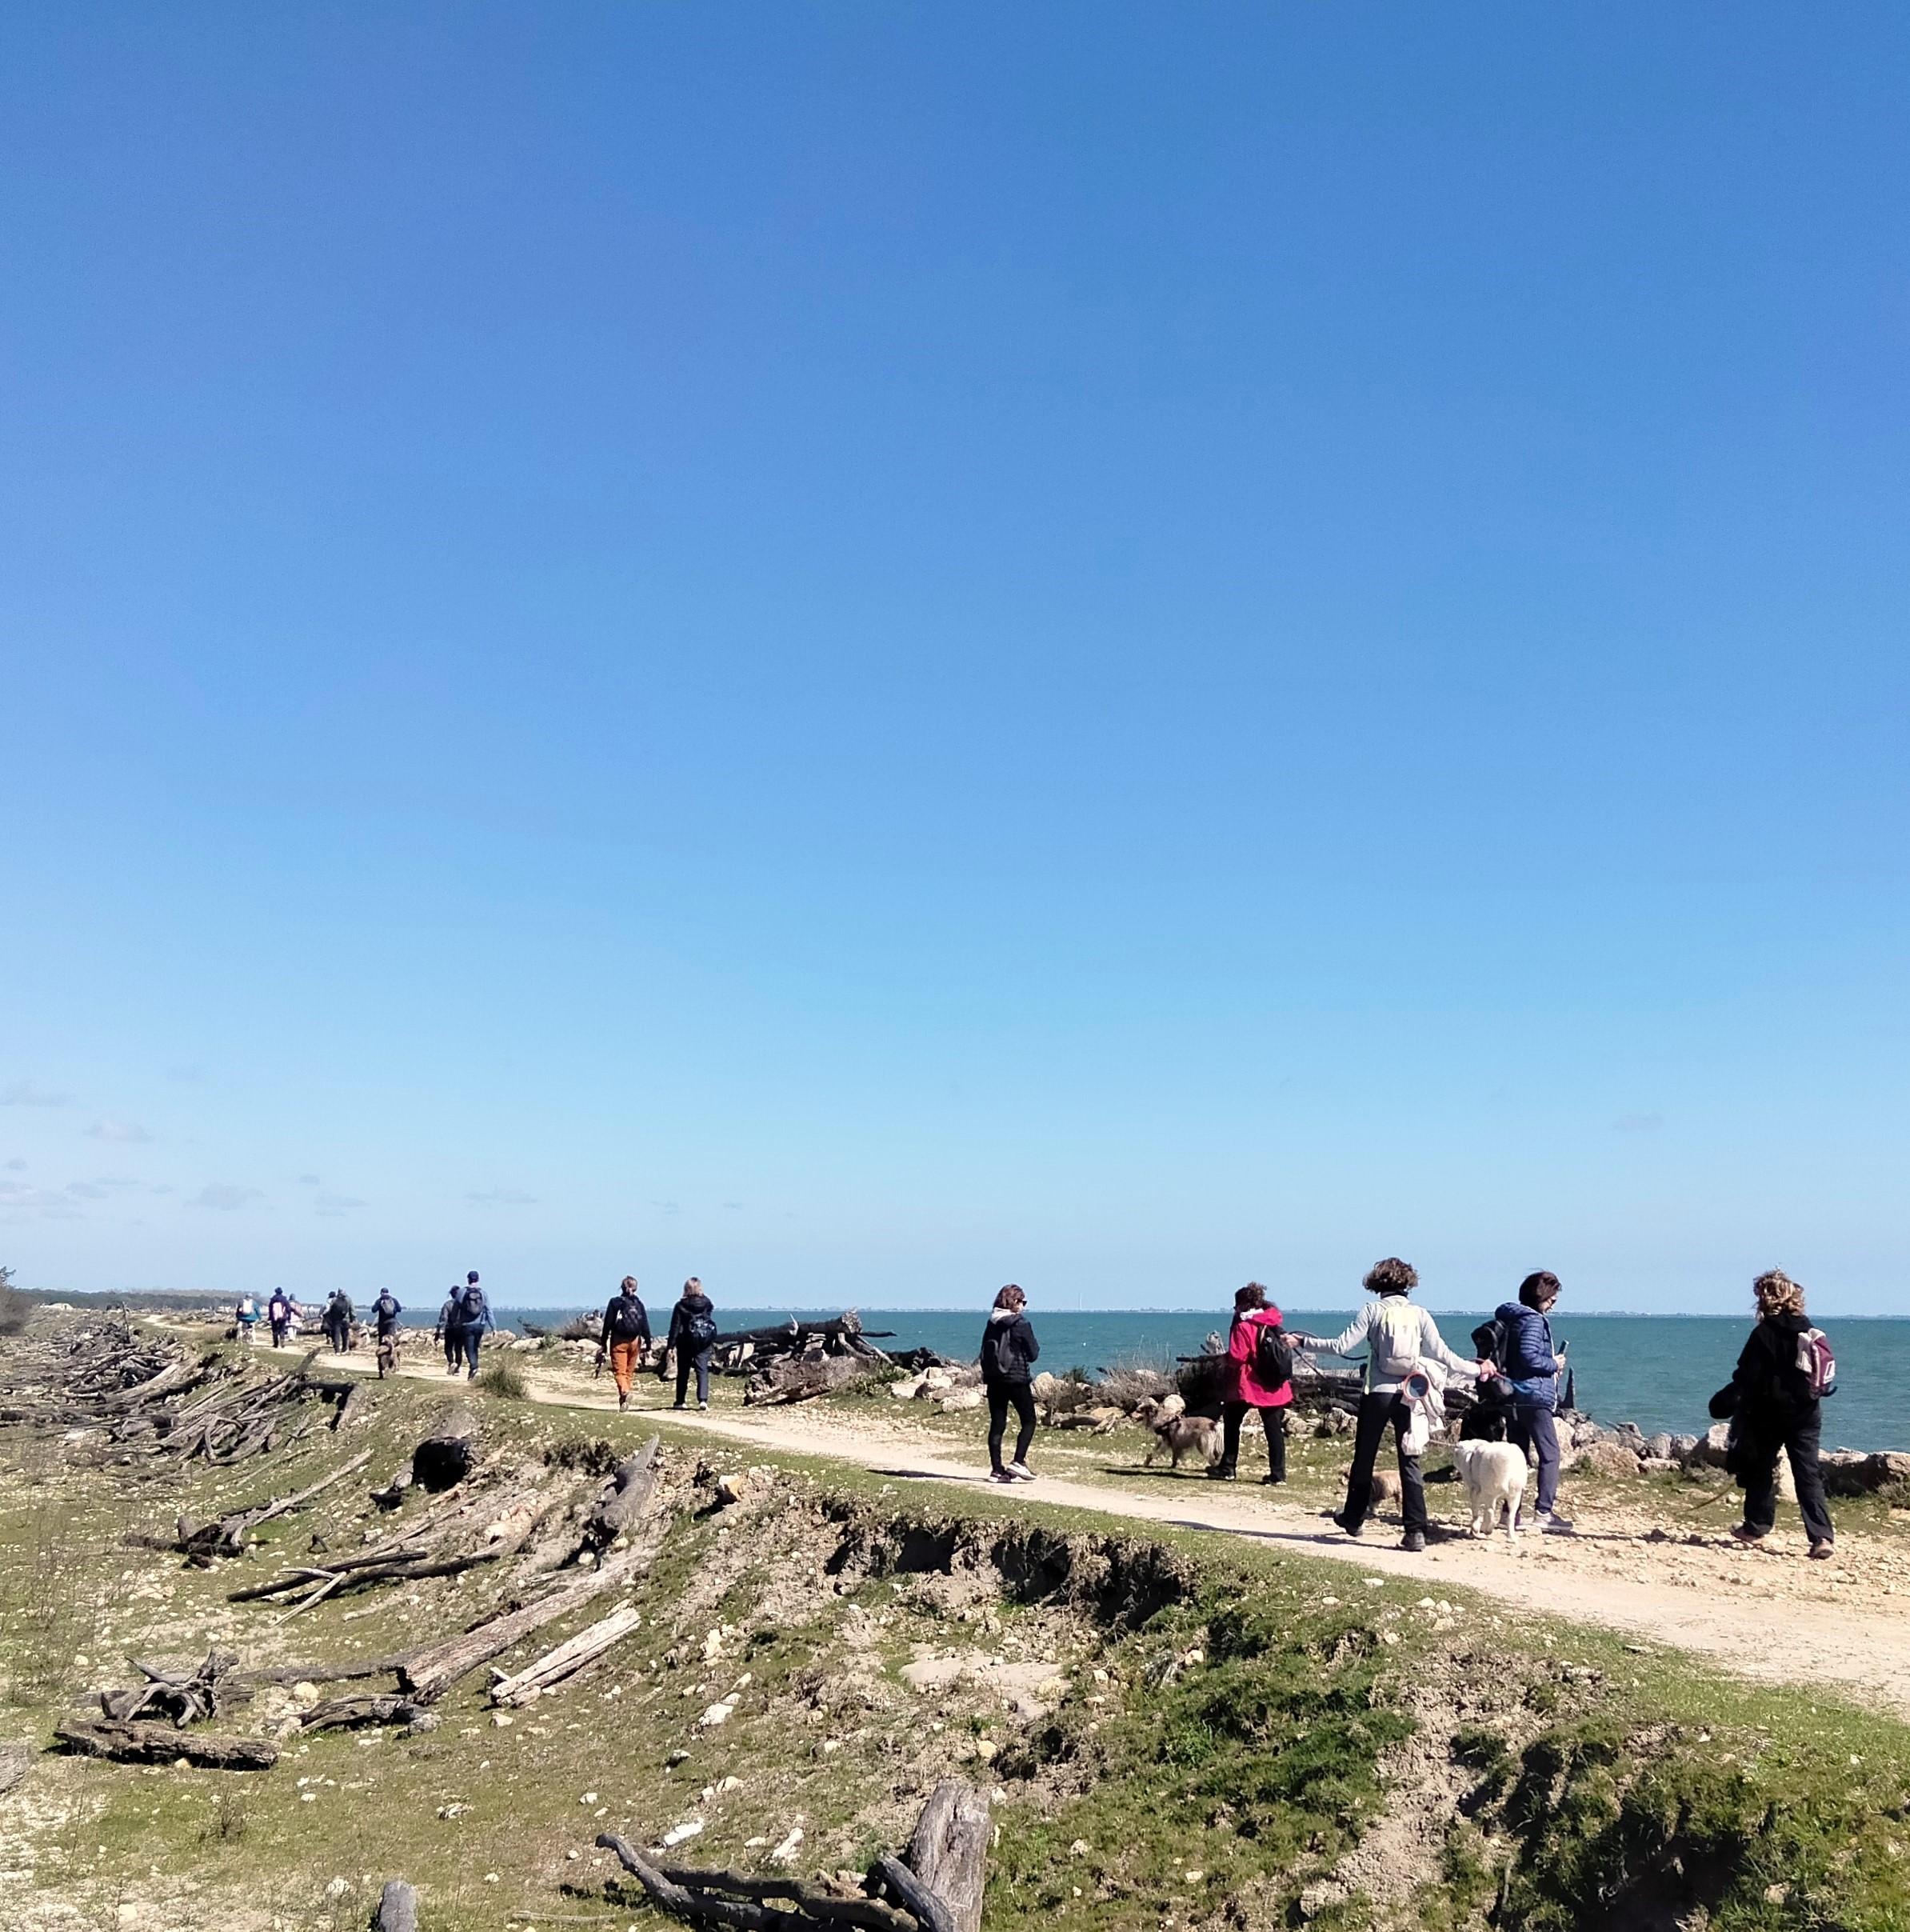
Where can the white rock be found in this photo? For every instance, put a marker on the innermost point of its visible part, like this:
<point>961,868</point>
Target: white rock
<point>786,1850</point>
<point>676,1833</point>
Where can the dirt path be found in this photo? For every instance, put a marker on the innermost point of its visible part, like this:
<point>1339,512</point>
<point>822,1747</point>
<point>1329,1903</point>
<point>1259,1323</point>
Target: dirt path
<point>1651,1573</point>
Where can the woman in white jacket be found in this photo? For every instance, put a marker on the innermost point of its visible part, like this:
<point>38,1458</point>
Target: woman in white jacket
<point>1396,1337</point>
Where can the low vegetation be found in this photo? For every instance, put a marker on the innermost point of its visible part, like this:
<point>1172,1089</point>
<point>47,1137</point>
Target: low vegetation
<point>1174,1730</point>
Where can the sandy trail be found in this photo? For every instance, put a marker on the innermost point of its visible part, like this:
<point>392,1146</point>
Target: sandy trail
<point>1765,1613</point>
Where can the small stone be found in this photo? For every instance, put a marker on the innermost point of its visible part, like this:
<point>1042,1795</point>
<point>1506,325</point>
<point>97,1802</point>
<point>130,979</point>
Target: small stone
<point>676,1833</point>
<point>502,1719</point>
<point>786,1850</point>
<point>589,1798</point>
<point>1079,1849</point>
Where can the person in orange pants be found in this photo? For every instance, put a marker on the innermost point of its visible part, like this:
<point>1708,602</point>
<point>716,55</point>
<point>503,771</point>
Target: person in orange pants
<point>626,1334</point>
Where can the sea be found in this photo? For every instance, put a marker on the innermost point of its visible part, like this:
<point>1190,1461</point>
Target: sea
<point>1658,1371</point>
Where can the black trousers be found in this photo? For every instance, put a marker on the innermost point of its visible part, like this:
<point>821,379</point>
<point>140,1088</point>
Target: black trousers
<point>1376,1411</point>
<point>1799,1437</point>
<point>685,1362</point>
<point>1001,1396</point>
<point>1273,1421</point>
<point>454,1349</point>
<point>472,1339</point>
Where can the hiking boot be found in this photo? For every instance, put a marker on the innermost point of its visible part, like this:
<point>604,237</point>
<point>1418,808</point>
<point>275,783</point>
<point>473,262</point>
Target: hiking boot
<point>1821,1553</point>
<point>623,1401</point>
<point>1413,1540</point>
<point>1020,1472</point>
<point>1272,1478</point>
<point>1222,1472</point>
<point>1550,1523</point>
<point>1745,1534</point>
<point>1351,1529</point>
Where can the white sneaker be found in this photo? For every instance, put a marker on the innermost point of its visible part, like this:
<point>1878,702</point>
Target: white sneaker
<point>1000,1475</point>
<point>1020,1472</point>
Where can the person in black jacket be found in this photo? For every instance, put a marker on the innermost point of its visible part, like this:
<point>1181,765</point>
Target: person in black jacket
<point>626,1334</point>
<point>1008,1348</point>
<point>692,1330</point>
<point>450,1328</point>
<point>1770,1398</point>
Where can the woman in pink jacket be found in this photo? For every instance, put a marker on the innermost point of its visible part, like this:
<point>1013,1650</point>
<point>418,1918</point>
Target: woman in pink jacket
<point>1250,1385</point>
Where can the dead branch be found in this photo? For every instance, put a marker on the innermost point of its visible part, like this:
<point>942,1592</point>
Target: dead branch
<point>348,1714</point>
<point>624,1498</point>
<point>397,1908</point>
<point>161,1744</point>
<point>568,1658</point>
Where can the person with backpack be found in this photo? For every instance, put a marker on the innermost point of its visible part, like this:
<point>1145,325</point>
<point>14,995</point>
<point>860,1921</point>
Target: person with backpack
<point>1260,1378</point>
<point>448,1333</point>
<point>692,1330</point>
<point>278,1313</point>
<point>474,1318</point>
<point>385,1313</point>
<point>1396,1337</point>
<point>1009,1352</point>
<point>1518,1343</point>
<point>626,1334</point>
<point>339,1315</point>
<point>246,1316</point>
<point>1775,1399</point>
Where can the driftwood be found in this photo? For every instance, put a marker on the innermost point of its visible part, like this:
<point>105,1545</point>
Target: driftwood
<point>948,1851</point>
<point>182,1696</point>
<point>428,1673</point>
<point>347,1713</point>
<point>138,1743</point>
<point>397,1908</point>
<point>201,1542</point>
<point>801,1378</point>
<point>949,1848</point>
<point>323,1673</point>
<point>623,1498</point>
<point>568,1658</point>
<point>16,1761</point>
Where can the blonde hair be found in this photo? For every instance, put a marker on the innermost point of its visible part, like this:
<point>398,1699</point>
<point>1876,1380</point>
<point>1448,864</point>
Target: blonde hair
<point>1777,1294</point>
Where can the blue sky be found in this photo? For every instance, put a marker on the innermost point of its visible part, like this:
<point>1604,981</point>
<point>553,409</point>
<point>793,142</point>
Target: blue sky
<point>870,650</point>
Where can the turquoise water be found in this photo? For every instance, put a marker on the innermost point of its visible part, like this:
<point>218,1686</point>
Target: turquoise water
<point>1658,1371</point>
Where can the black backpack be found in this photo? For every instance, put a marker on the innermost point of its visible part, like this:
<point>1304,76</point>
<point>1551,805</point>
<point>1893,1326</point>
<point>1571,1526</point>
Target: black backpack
<point>1272,1355</point>
<point>627,1318</point>
<point>699,1330</point>
<point>386,1307</point>
<point>470,1305</point>
<point>1493,1342</point>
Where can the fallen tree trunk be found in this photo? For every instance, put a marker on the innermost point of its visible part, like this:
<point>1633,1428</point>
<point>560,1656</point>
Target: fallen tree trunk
<point>184,1696</point>
<point>801,1378</point>
<point>624,1498</point>
<point>948,1851</point>
<point>568,1658</point>
<point>141,1743</point>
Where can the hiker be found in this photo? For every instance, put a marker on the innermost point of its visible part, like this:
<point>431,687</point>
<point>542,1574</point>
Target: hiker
<point>626,1334</point>
<point>692,1330</point>
<point>1398,1338</point>
<point>278,1313</point>
<point>1775,1400</point>
<point>450,1330</point>
<point>1259,1378</point>
<point>385,1313</point>
<point>1008,1349</point>
<point>1531,1367</point>
<point>474,1318</point>
<point>337,1322</point>
<point>246,1315</point>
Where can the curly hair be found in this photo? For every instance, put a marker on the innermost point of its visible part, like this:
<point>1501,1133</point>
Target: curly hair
<point>1253,1295</point>
<point>1777,1294</point>
<point>1391,1276</point>
<point>1536,1289</point>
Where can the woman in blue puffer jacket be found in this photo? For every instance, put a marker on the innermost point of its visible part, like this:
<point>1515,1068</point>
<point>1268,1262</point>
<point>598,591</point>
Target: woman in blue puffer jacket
<point>1532,1368</point>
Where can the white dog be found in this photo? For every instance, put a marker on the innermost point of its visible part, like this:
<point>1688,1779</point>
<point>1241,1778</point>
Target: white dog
<point>1494,1476</point>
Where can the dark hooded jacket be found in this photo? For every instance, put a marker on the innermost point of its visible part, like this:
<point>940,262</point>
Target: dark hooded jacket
<point>688,1308</point>
<point>1771,1391</point>
<point>1008,1347</point>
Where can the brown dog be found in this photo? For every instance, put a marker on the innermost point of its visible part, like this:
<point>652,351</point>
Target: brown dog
<point>1180,1435</point>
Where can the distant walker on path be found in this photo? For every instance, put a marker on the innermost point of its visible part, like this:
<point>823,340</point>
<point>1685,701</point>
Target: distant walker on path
<point>474,1318</point>
<point>1009,1351</point>
<point>626,1334</point>
<point>692,1330</point>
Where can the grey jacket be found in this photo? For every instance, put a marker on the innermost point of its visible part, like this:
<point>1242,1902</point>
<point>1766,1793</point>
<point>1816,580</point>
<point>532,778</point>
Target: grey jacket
<point>1395,1337</point>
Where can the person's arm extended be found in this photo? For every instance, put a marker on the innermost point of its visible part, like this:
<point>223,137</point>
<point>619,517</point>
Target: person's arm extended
<point>1433,1345</point>
<point>603,1339</point>
<point>1349,1340</point>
